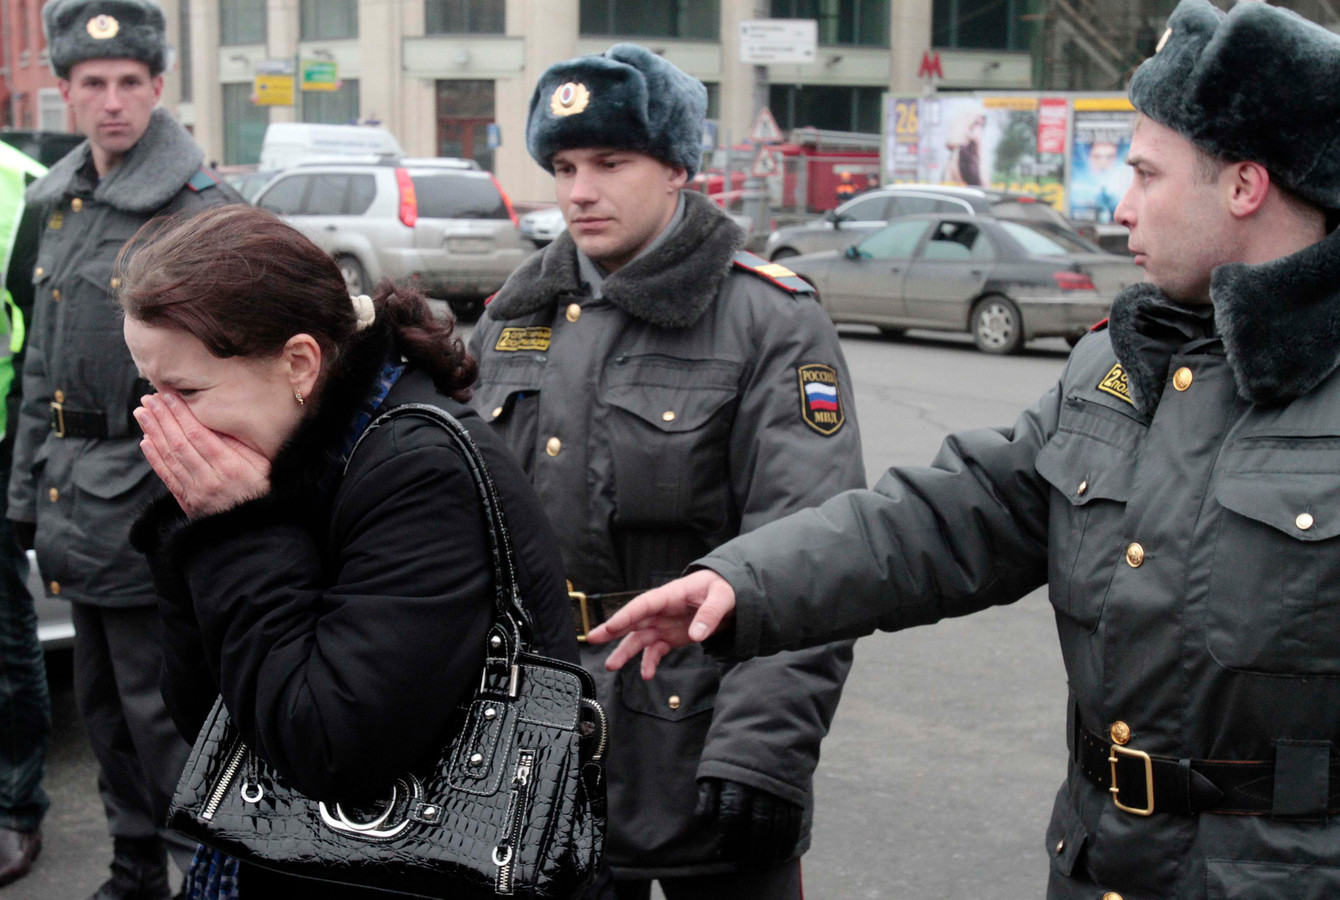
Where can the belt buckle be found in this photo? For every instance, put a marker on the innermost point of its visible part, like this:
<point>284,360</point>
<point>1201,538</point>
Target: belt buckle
<point>1118,752</point>
<point>580,597</point>
<point>58,418</point>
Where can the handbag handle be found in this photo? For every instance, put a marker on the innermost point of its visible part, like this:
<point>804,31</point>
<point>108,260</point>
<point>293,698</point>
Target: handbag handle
<point>507,599</point>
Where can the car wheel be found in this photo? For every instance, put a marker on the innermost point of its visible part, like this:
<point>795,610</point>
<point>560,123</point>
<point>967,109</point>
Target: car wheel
<point>466,309</point>
<point>1073,339</point>
<point>784,253</point>
<point>354,276</point>
<point>997,326</point>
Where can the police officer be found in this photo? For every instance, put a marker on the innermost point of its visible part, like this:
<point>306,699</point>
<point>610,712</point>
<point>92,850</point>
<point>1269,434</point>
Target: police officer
<point>79,476</point>
<point>665,392</point>
<point>1179,489</point>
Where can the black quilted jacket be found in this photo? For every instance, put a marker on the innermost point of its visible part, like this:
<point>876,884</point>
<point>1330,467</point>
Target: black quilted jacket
<point>343,618</point>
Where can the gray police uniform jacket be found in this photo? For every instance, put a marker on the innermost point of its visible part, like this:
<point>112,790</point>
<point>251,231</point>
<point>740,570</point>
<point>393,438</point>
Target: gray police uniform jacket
<point>84,492</point>
<point>656,423</point>
<point>1181,494</point>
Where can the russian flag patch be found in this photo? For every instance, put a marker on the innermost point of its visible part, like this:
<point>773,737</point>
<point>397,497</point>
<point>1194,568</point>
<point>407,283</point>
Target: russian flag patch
<point>820,399</point>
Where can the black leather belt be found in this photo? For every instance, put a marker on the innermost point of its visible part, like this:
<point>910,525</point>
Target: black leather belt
<point>1143,784</point>
<point>78,423</point>
<point>590,610</point>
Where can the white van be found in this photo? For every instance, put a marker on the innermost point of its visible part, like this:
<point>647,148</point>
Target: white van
<point>288,143</point>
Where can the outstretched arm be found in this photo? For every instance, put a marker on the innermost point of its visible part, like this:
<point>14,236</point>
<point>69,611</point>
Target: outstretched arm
<point>686,610</point>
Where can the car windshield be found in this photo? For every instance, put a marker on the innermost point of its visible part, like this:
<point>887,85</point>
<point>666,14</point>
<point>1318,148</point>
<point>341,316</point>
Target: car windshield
<point>1040,240</point>
<point>457,195</point>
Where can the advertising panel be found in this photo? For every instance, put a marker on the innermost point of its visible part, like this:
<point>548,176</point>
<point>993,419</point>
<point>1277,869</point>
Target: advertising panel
<point>1100,140</point>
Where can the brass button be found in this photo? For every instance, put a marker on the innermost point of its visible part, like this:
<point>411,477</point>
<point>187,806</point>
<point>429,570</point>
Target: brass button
<point>1083,486</point>
<point>1112,895</point>
<point>59,396</point>
<point>1182,378</point>
<point>39,272</point>
<point>574,312</point>
<point>674,701</point>
<point>668,415</point>
<point>1135,556</point>
<point>55,294</point>
<point>54,495</point>
<point>1060,845</point>
<point>497,411</point>
<point>116,283</point>
<point>54,587</point>
<point>553,446</point>
<point>1304,521</point>
<point>77,204</point>
<point>1121,733</point>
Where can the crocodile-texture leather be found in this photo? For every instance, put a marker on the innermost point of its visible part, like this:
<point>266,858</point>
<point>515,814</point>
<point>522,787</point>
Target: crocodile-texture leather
<point>443,828</point>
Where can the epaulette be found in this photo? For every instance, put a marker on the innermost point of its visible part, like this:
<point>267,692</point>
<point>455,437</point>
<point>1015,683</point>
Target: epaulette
<point>202,181</point>
<point>1099,326</point>
<point>776,273</point>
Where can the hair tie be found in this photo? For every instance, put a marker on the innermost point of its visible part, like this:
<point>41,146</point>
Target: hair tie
<point>365,312</point>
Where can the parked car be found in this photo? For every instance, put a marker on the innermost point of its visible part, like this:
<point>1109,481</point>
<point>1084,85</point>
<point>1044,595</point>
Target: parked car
<point>1002,280</point>
<point>542,225</point>
<point>289,143</point>
<point>442,225</point>
<point>869,212</point>
<point>249,184</point>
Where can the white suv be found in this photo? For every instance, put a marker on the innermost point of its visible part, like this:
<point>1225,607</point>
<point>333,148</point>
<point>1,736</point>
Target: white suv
<point>439,224</point>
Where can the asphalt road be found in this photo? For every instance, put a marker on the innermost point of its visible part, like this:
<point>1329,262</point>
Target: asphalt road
<point>938,776</point>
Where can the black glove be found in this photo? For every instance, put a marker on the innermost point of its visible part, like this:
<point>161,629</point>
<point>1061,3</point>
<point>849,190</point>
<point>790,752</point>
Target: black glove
<point>24,532</point>
<point>758,829</point>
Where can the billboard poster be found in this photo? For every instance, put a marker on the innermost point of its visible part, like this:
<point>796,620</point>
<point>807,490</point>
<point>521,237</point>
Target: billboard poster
<point>902,140</point>
<point>992,142</point>
<point>1099,143</point>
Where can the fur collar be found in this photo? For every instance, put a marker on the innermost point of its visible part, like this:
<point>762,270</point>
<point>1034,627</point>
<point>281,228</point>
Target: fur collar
<point>304,471</point>
<point>151,174</point>
<point>1279,321</point>
<point>670,287</point>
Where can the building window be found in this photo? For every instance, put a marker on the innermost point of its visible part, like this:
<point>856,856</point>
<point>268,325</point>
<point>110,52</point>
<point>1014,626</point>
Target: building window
<point>693,20</point>
<point>464,16</point>
<point>983,24</point>
<point>184,48</point>
<point>830,108</point>
<point>241,22</point>
<point>464,114</point>
<point>332,107</point>
<point>328,20</point>
<point>243,125</point>
<point>844,22</point>
<point>713,99</point>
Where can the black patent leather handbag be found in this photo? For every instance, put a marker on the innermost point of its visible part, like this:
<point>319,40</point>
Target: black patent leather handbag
<point>515,805</point>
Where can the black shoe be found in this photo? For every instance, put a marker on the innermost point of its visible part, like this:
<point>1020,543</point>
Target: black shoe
<point>18,849</point>
<point>139,871</point>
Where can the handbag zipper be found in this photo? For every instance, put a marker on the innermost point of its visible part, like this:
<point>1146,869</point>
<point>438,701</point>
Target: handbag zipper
<point>225,779</point>
<point>504,855</point>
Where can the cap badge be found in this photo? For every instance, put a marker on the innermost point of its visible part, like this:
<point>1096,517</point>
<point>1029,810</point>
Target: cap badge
<point>1163,40</point>
<point>569,99</point>
<point>103,27</point>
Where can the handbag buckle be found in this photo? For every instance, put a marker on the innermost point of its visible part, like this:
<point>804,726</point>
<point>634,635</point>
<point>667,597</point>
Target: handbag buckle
<point>584,608</point>
<point>1117,752</point>
<point>513,679</point>
<point>377,828</point>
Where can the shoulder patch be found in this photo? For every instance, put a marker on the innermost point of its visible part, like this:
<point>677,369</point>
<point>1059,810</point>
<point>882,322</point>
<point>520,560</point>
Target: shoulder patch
<point>1115,383</point>
<point>820,399</point>
<point>512,340</point>
<point>202,181</point>
<point>776,273</point>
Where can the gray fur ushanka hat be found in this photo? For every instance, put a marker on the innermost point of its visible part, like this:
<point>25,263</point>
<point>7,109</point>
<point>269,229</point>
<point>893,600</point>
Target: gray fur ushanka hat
<point>79,30</point>
<point>1258,84</point>
<point>627,98</point>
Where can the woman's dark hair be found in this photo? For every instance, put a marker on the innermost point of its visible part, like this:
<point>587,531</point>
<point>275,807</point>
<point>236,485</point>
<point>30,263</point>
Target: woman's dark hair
<point>243,282</point>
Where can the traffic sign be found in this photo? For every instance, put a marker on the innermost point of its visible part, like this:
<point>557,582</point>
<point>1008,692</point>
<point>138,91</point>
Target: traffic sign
<point>764,41</point>
<point>272,90</point>
<point>765,130</point>
<point>766,163</point>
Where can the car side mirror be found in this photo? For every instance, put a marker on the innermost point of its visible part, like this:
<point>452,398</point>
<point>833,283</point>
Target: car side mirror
<point>853,252</point>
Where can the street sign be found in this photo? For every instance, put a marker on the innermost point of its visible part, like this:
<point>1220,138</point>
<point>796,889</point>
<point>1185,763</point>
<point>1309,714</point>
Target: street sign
<point>494,134</point>
<point>765,41</point>
<point>930,66</point>
<point>709,140</point>
<point>765,130</point>
<point>319,75</point>
<point>766,163</point>
<point>272,90</point>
